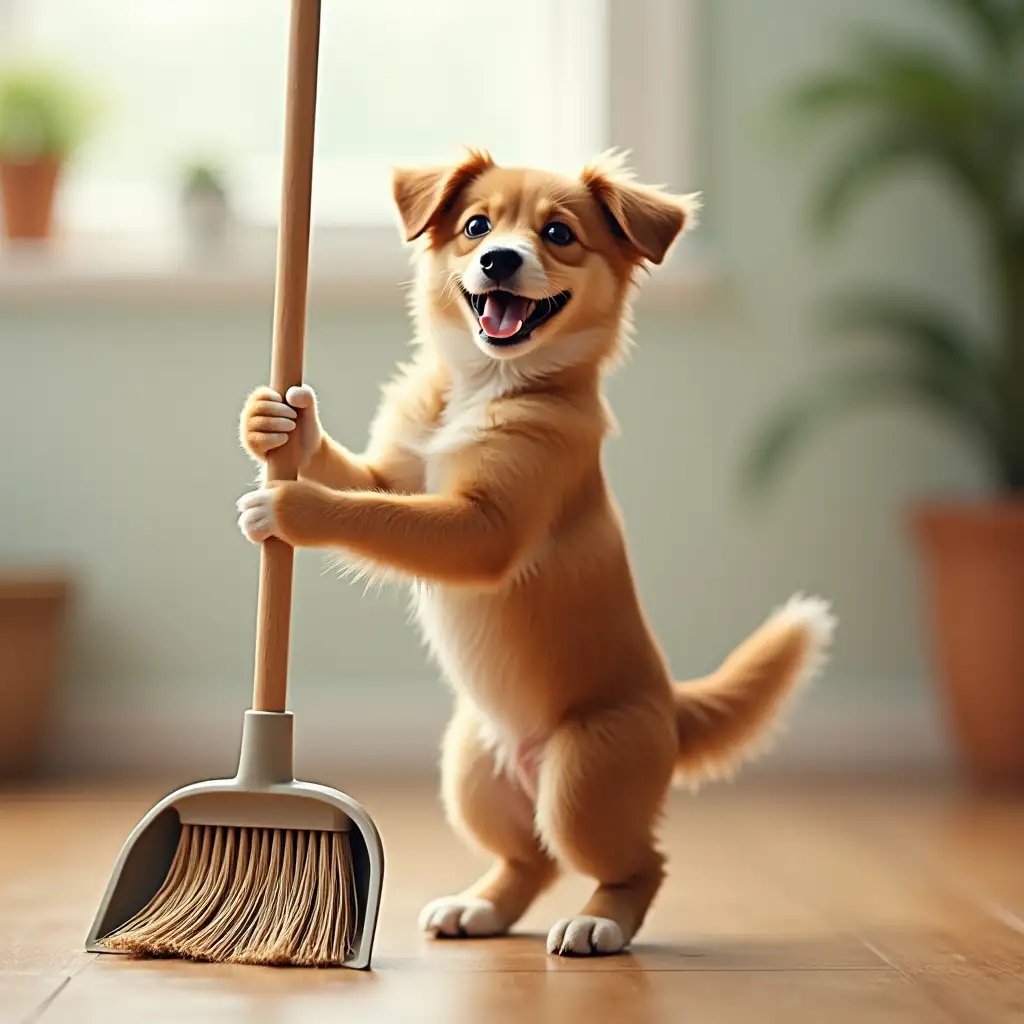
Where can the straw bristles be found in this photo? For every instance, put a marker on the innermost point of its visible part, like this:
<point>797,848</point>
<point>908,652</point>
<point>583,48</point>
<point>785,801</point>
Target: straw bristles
<point>250,896</point>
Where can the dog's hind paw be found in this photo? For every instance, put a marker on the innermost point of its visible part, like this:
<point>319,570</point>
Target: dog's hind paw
<point>456,917</point>
<point>585,936</point>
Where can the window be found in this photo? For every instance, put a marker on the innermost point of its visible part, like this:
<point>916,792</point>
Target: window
<point>400,81</point>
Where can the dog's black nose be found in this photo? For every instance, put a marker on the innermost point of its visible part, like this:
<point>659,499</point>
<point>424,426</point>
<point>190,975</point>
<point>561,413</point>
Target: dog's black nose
<point>500,264</point>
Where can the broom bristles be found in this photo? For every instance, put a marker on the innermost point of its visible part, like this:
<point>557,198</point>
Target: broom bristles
<point>250,896</point>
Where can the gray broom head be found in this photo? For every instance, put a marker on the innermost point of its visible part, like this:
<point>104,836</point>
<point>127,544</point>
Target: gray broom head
<point>259,869</point>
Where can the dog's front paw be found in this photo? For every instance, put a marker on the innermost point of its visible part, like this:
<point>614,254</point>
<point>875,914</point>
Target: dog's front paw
<point>256,514</point>
<point>585,936</point>
<point>299,512</point>
<point>267,421</point>
<point>454,917</point>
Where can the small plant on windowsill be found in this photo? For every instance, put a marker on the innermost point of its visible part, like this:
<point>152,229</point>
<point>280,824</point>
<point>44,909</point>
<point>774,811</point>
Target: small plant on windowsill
<point>205,205</point>
<point>963,117</point>
<point>45,116</point>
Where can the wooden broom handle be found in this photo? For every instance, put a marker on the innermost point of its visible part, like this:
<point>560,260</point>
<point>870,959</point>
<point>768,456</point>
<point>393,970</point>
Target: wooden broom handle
<point>273,615</point>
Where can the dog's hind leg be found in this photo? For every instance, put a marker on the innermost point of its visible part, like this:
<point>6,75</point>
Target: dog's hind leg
<point>493,812</point>
<point>602,784</point>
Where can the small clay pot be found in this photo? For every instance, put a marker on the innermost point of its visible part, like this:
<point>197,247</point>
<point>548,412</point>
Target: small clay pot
<point>29,191</point>
<point>974,562</point>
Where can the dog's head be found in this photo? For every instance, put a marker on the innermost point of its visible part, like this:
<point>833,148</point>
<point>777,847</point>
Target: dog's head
<point>524,260</point>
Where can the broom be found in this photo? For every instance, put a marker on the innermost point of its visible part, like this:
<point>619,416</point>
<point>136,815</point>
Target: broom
<point>259,869</point>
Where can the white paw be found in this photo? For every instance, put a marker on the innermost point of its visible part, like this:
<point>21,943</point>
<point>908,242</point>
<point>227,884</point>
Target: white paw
<point>301,397</point>
<point>458,917</point>
<point>256,514</point>
<point>585,936</point>
<point>311,433</point>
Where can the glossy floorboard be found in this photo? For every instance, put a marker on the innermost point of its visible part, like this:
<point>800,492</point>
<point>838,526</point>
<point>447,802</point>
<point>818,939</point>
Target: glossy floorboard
<point>785,903</point>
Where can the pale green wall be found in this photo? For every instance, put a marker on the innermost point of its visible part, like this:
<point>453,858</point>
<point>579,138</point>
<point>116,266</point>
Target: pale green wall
<point>120,454</point>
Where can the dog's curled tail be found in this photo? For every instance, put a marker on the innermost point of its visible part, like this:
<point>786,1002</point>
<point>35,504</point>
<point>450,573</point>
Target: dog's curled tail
<point>727,717</point>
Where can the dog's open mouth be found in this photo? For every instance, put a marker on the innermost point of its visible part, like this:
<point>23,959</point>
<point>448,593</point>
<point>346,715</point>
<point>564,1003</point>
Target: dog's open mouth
<point>509,319</point>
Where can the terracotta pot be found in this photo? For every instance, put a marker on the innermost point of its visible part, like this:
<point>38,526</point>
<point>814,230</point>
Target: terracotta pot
<point>29,191</point>
<point>974,557</point>
<point>32,619</point>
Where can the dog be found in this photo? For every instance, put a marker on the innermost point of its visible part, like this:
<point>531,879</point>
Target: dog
<point>482,483</point>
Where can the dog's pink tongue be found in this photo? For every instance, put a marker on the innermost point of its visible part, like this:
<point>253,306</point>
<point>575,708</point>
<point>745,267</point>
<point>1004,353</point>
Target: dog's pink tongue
<point>503,315</point>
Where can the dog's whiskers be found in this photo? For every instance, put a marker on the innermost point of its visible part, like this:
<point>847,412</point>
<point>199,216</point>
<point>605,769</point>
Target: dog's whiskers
<point>451,288</point>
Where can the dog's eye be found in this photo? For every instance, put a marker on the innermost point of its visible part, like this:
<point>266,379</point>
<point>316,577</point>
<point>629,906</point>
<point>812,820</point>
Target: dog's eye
<point>558,233</point>
<point>477,227</point>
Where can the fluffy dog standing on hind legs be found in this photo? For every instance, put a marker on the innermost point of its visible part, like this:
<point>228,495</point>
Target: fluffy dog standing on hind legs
<point>482,483</point>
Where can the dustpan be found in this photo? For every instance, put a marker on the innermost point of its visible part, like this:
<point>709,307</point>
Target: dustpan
<point>264,797</point>
<point>264,794</point>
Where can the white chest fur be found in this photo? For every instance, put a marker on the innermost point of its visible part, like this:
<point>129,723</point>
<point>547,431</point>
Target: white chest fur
<point>466,415</point>
<point>458,626</point>
<point>458,622</point>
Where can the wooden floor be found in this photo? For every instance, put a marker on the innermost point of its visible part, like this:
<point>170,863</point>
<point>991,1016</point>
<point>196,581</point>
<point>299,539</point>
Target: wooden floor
<point>784,904</point>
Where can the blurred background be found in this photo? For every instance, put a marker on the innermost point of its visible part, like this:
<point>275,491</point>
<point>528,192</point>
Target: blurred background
<point>861,250</point>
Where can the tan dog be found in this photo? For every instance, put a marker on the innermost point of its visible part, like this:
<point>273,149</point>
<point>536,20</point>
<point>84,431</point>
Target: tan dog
<point>482,482</point>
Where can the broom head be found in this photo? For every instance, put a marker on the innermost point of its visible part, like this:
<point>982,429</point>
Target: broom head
<point>258,869</point>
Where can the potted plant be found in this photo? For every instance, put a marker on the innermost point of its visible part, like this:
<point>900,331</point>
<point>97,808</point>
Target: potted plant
<point>961,115</point>
<point>205,207</point>
<point>44,118</point>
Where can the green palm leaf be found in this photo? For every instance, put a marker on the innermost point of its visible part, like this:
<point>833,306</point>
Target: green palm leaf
<point>884,150</point>
<point>925,334</point>
<point>920,106</point>
<point>997,23</point>
<point>962,116</point>
<point>921,81</point>
<point>841,392</point>
<point>894,77</point>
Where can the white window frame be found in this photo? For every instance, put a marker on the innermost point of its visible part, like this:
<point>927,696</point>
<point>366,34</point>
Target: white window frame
<point>648,48</point>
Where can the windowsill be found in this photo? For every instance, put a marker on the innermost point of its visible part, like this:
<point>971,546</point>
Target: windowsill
<point>349,267</point>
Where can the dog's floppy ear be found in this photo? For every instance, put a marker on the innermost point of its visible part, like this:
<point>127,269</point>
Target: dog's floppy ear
<point>423,194</point>
<point>648,219</point>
